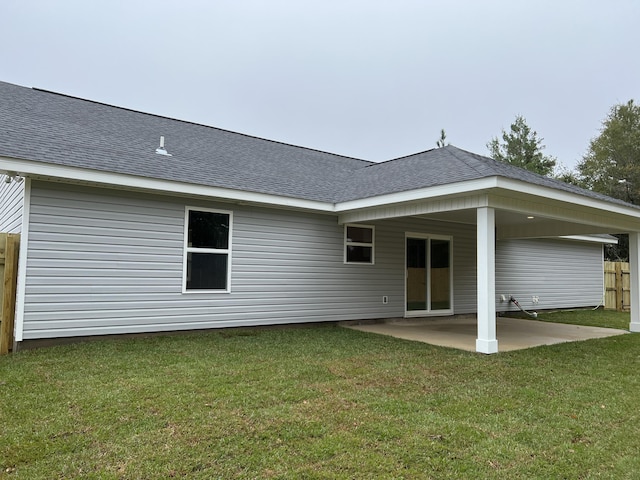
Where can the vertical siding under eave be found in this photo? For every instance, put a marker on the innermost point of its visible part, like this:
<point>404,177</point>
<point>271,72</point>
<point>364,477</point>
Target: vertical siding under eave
<point>11,202</point>
<point>105,262</point>
<point>562,273</point>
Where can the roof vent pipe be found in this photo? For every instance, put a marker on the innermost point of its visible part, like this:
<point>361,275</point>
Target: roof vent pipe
<point>161,150</point>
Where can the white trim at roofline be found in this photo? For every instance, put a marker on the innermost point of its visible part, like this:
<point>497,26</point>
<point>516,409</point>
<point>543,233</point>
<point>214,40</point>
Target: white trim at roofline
<point>77,174</point>
<point>85,175</point>
<point>566,197</point>
<point>459,188</point>
<point>486,184</point>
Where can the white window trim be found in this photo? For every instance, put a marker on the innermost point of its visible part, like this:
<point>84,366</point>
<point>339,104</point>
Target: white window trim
<point>187,249</point>
<point>360,244</point>
<point>429,312</point>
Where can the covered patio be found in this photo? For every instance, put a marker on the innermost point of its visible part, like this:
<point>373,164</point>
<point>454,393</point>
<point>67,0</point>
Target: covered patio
<point>507,208</point>
<point>460,332</point>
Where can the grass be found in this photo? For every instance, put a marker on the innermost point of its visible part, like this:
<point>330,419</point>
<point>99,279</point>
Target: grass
<point>320,402</point>
<point>592,318</point>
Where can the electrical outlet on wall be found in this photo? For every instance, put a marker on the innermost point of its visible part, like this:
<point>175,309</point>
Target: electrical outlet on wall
<point>535,299</point>
<point>385,299</point>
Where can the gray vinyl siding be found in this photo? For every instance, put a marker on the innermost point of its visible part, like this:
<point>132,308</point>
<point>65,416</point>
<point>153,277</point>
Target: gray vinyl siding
<point>11,202</point>
<point>562,273</point>
<point>105,262</point>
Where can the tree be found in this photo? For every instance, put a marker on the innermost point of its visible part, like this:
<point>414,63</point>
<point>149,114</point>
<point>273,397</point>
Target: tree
<point>522,147</point>
<point>571,177</point>
<point>612,162</point>
<point>441,141</point>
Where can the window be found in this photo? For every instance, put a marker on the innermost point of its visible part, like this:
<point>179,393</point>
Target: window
<point>207,253</point>
<point>358,244</point>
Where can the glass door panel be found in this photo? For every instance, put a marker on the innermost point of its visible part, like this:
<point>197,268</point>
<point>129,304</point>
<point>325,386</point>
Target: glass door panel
<point>440,275</point>
<point>416,274</point>
<point>428,276</point>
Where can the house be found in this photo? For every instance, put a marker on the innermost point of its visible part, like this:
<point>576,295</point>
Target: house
<point>132,223</point>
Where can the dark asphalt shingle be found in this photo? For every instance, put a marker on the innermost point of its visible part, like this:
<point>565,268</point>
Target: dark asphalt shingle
<point>62,130</point>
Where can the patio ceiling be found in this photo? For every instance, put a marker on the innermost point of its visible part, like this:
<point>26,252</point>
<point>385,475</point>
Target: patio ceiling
<point>521,225</point>
<point>521,210</point>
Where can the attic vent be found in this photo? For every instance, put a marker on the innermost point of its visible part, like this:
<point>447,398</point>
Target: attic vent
<point>161,150</point>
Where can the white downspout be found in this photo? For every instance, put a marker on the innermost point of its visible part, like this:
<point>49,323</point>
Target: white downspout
<point>22,265</point>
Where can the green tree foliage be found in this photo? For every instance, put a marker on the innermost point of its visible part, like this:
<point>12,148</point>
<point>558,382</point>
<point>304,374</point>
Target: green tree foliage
<point>612,163</point>
<point>568,176</point>
<point>522,147</point>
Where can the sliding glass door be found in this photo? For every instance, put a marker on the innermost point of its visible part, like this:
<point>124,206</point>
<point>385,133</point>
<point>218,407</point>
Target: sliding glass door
<point>428,274</point>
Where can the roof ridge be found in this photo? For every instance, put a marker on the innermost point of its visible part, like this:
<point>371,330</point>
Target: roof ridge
<point>403,157</point>
<point>450,150</point>
<point>474,168</point>
<point>199,124</point>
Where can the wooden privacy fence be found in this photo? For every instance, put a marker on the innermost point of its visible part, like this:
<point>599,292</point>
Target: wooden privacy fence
<point>9,244</point>
<point>617,286</point>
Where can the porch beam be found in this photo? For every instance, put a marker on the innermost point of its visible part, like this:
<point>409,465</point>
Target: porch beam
<point>634,265</point>
<point>486,280</point>
<point>440,205</point>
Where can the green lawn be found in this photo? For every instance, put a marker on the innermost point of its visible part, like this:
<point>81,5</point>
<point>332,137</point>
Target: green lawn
<point>320,402</point>
<point>594,318</point>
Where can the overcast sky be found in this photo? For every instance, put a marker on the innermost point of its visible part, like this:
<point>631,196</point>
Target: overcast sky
<point>370,79</point>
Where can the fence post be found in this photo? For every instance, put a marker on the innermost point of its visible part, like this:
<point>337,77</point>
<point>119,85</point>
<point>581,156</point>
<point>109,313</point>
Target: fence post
<point>619,294</point>
<point>9,244</point>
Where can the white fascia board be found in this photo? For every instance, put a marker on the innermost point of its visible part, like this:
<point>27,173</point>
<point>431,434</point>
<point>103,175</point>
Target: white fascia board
<point>41,170</point>
<point>487,184</point>
<point>566,197</point>
<point>469,186</point>
<point>36,169</point>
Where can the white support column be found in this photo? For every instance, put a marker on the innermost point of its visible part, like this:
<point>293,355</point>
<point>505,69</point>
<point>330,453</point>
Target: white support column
<point>634,266</point>
<point>486,277</point>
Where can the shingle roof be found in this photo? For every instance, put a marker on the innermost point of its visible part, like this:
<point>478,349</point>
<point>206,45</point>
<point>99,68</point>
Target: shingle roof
<point>62,130</point>
<point>441,166</point>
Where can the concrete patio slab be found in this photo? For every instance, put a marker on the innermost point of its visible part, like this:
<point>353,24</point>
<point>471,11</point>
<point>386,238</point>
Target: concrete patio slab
<point>461,332</point>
